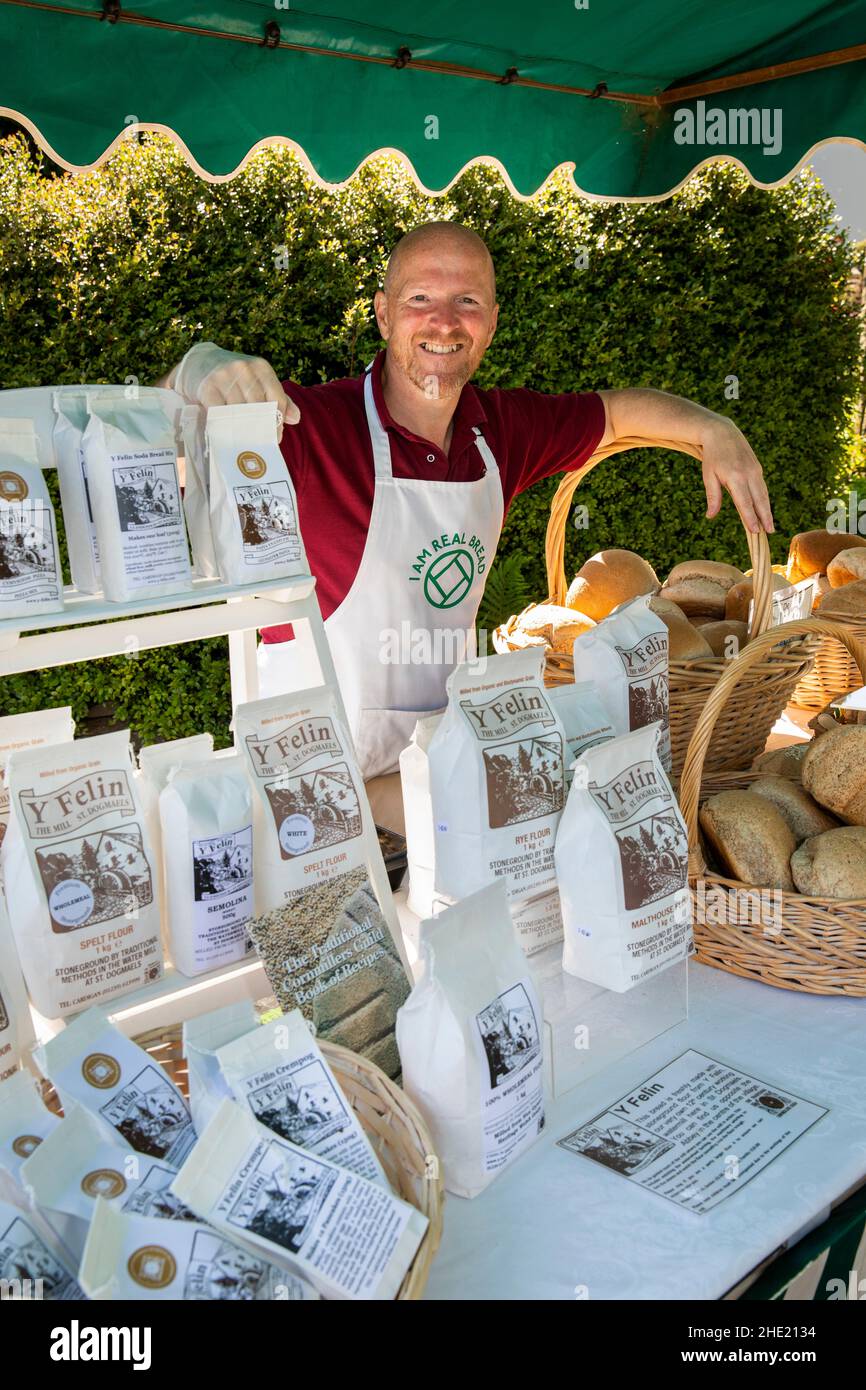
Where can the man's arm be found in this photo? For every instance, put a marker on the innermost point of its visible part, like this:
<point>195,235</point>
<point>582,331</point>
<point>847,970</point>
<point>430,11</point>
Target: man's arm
<point>728,460</point>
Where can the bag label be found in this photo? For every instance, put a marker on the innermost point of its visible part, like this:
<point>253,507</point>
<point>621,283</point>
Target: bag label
<point>223,889</point>
<point>653,848</point>
<point>47,814</point>
<point>269,524</point>
<point>293,746</point>
<point>507,714</point>
<point>152,530</point>
<point>509,1037</point>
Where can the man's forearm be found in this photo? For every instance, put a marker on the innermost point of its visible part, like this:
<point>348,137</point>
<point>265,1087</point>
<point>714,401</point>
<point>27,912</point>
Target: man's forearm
<point>638,412</point>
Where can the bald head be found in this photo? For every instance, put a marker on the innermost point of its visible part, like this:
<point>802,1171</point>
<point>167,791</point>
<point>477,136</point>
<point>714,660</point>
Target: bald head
<point>441,239</point>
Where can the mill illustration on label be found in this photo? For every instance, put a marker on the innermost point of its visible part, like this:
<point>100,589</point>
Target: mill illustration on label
<point>280,1199</point>
<point>220,1271</point>
<point>95,878</point>
<point>312,810</point>
<point>653,848</point>
<point>152,1197</point>
<point>646,666</point>
<point>149,1113</point>
<point>23,1256</point>
<point>509,1031</point>
<point>304,1108</point>
<point>147,496</point>
<point>27,548</point>
<point>268,522</point>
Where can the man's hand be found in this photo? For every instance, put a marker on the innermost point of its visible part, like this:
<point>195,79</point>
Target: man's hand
<point>728,460</point>
<point>208,375</point>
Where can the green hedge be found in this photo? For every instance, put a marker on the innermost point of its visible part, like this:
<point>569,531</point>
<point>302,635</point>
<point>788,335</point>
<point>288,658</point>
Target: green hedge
<point>114,274</point>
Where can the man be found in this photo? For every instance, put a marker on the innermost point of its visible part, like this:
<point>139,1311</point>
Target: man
<point>405,474</point>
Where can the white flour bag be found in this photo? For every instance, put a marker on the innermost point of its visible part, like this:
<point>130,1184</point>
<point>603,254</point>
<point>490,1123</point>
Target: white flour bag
<point>31,580</point>
<point>627,657</point>
<point>24,1122</point>
<point>155,762</point>
<point>497,778</point>
<point>253,509</point>
<point>470,1039</point>
<point>418,816</point>
<point>326,942</point>
<point>81,542</point>
<point>129,453</point>
<point>622,865</point>
<point>32,1259</point>
<point>585,721</point>
<point>78,873</point>
<point>16,1025</point>
<point>206,815</point>
<point>202,1037</point>
<point>196,491</point>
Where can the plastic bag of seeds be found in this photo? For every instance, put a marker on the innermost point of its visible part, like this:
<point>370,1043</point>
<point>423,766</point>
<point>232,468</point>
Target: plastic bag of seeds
<point>326,944</point>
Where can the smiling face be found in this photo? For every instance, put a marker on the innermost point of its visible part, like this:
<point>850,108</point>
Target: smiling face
<point>438,311</point>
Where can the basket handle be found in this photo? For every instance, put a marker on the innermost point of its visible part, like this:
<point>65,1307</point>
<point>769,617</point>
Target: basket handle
<point>690,780</point>
<point>554,545</point>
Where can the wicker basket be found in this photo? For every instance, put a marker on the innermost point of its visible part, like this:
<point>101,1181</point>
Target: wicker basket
<point>764,692</point>
<point>392,1124</point>
<point>834,672</point>
<point>815,945</point>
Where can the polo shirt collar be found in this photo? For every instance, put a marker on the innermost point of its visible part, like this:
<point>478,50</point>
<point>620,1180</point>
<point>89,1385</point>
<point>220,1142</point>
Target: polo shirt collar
<point>469,410</point>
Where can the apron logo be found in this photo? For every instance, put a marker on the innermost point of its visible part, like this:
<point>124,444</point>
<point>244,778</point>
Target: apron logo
<point>447,567</point>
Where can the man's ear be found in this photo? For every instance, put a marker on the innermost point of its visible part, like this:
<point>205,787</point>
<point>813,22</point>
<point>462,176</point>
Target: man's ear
<point>493,326</point>
<point>380,308</point>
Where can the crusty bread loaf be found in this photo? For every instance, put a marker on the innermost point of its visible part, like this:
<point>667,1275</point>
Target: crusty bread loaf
<point>787,762</point>
<point>848,567</point>
<point>810,552</point>
<point>557,626</point>
<point>700,587</point>
<point>832,865</point>
<point>727,638</point>
<point>834,772</point>
<point>685,643</point>
<point>803,815</point>
<point>608,579</point>
<point>823,587</point>
<point>847,602</point>
<point>750,838</point>
<point>739,597</point>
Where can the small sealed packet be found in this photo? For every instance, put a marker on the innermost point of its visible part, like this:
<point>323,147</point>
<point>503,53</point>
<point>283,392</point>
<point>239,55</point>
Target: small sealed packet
<point>348,1237</point>
<point>202,1037</point>
<point>135,1257</point>
<point>24,1121</point>
<point>279,1071</point>
<point>94,1065</point>
<point>31,1261</point>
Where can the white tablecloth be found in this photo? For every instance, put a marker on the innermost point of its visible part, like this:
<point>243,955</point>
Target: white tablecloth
<point>559,1226</point>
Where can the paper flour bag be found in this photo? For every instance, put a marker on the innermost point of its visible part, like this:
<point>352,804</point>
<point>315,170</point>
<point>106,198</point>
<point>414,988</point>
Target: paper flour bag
<point>470,1040</point>
<point>81,541</point>
<point>16,1025</point>
<point>129,453</point>
<point>418,816</point>
<point>24,1122</point>
<point>196,491</point>
<point>622,865</point>
<point>132,1258</point>
<point>202,1037</point>
<point>31,580</point>
<point>93,1064</point>
<point>325,942</point>
<point>206,817</point>
<point>253,509</point>
<point>585,721</point>
<point>78,871</point>
<point>497,778</point>
<point>281,1074</point>
<point>350,1238</point>
<point>32,1260</point>
<point>627,656</point>
<point>155,762</point>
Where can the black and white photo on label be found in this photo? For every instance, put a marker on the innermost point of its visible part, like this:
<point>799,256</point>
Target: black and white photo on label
<point>282,1197</point>
<point>524,780</point>
<point>770,1102</point>
<point>26,544</point>
<point>315,809</point>
<point>618,1144</point>
<point>510,1033</point>
<point>267,514</point>
<point>23,1256</point>
<point>148,1112</point>
<point>648,702</point>
<point>220,1271</point>
<point>654,857</point>
<point>152,1197</point>
<point>222,864</point>
<point>95,878</point>
<point>147,496</point>
<point>305,1107</point>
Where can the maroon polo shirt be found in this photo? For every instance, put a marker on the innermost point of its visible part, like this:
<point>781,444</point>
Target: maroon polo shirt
<point>329,455</point>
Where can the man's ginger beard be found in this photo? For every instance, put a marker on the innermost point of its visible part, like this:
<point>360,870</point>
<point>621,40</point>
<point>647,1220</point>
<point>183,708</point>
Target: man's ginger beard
<point>435,385</point>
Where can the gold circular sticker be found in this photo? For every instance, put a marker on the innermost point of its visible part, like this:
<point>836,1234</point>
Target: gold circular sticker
<point>13,487</point>
<point>252,465</point>
<point>100,1070</point>
<point>152,1266</point>
<point>103,1182</point>
<point>25,1144</point>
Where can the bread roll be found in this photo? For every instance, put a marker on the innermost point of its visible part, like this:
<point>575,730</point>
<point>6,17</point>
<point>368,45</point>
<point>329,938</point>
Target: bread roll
<point>739,597</point>
<point>727,638</point>
<point>751,839</point>
<point>557,626</point>
<point>847,602</point>
<point>810,552</point>
<point>834,772</point>
<point>832,865</point>
<point>608,579</point>
<point>787,762</point>
<point>700,587</point>
<point>685,643</point>
<point>823,587</point>
<point>848,567</point>
<point>802,814</point>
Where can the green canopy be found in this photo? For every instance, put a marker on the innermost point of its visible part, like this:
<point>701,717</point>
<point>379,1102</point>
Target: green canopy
<point>634,94</point>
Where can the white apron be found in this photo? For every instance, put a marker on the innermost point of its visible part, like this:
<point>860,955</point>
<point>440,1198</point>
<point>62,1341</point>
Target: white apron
<point>409,617</point>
